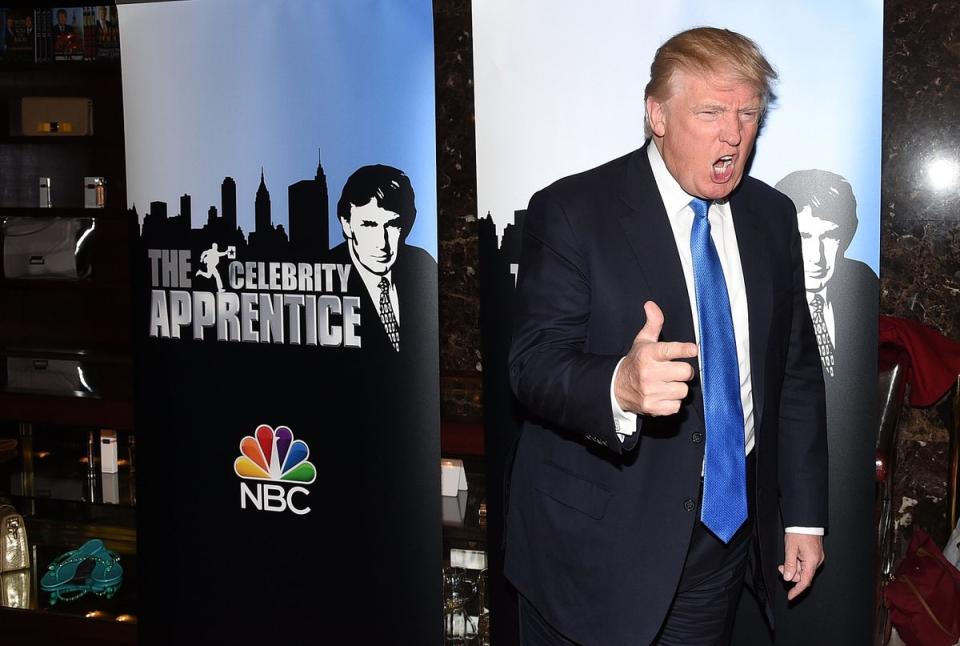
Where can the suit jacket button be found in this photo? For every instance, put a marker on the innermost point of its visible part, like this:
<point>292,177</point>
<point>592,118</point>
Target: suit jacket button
<point>696,437</point>
<point>689,505</point>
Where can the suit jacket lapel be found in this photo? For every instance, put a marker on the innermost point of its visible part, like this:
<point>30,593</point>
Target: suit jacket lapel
<point>755,261</point>
<point>648,231</point>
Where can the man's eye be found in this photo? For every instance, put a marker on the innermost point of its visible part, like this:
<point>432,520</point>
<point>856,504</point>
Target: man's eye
<point>750,116</point>
<point>708,115</point>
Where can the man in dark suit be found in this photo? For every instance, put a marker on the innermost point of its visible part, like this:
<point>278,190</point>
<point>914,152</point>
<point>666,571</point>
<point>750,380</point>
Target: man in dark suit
<point>9,34</point>
<point>665,357</point>
<point>104,24</point>
<point>61,26</point>
<point>395,280</point>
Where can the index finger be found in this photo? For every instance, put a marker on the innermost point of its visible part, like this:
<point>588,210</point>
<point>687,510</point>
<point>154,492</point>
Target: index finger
<point>669,350</point>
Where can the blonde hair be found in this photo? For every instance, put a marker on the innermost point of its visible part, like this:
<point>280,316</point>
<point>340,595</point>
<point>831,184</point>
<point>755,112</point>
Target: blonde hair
<point>715,51</point>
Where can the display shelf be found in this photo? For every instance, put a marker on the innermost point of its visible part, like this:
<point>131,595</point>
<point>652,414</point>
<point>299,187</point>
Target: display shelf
<point>98,320</point>
<point>110,328</point>
<point>59,285</point>
<point>79,140</point>
<point>52,529</point>
<point>65,212</point>
<point>116,489</point>
<point>62,373</point>
<point>60,522</point>
<point>66,159</point>
<point>98,67</point>
<point>62,475</point>
<point>94,311</point>
<point>55,285</point>
<point>82,411</point>
<point>104,354</point>
<point>22,164</point>
<point>26,627</point>
<point>104,258</point>
<point>48,479</point>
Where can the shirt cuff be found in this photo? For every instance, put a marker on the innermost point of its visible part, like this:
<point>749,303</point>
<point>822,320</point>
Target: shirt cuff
<point>815,531</point>
<point>624,422</point>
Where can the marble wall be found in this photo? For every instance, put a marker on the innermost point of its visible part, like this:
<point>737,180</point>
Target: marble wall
<point>460,361</point>
<point>920,234</point>
<point>920,245</point>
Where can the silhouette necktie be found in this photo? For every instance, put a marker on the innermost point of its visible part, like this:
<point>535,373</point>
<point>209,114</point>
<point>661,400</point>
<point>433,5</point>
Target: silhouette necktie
<point>386,314</point>
<point>724,506</point>
<point>823,334</point>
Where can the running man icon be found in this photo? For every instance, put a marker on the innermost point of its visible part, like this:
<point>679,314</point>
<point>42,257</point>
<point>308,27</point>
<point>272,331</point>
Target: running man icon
<point>210,259</point>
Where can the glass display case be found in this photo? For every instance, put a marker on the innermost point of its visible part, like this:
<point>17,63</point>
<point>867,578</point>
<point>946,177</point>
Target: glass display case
<point>465,603</point>
<point>66,333</point>
<point>52,476</point>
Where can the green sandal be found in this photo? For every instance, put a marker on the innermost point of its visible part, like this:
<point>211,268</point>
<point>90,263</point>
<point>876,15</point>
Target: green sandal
<point>63,569</point>
<point>107,574</point>
<point>68,592</point>
<point>89,568</point>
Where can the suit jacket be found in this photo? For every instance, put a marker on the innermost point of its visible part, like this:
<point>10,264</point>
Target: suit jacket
<point>415,275</point>
<point>853,294</point>
<point>597,531</point>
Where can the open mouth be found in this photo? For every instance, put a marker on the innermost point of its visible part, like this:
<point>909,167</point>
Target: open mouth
<point>722,169</point>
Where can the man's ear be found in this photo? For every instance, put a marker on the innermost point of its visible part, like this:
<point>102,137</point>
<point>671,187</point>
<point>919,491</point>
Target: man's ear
<point>655,116</point>
<point>347,230</point>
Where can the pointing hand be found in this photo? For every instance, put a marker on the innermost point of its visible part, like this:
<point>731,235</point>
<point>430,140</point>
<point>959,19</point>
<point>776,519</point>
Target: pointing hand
<point>650,381</point>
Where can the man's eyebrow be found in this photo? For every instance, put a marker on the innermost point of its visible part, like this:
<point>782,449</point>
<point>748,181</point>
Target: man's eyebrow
<point>392,222</point>
<point>723,108</point>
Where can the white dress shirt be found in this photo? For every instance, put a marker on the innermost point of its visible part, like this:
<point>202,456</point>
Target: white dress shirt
<point>724,235</point>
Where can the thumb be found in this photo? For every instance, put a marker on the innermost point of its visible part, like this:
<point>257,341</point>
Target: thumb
<point>789,567</point>
<point>651,329</point>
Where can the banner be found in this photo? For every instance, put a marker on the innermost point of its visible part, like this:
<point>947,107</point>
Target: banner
<point>559,89</point>
<point>281,163</point>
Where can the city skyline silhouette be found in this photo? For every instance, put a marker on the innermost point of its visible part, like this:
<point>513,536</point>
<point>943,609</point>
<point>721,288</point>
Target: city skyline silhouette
<point>308,211</point>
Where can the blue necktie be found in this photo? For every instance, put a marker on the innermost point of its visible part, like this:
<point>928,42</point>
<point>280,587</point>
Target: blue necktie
<point>724,507</point>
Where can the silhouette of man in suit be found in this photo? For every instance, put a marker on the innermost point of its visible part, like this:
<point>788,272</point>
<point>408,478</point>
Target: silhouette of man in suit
<point>377,210</point>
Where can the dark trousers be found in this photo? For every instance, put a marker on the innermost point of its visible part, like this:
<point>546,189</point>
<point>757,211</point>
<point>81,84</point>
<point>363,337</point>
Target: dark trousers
<point>705,603</point>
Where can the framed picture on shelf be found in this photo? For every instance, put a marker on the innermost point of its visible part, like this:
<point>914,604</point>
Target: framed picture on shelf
<point>68,28</point>
<point>19,35</point>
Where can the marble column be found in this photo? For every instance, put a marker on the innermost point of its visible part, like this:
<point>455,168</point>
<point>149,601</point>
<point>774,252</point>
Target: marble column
<point>460,361</point>
<point>920,227</point>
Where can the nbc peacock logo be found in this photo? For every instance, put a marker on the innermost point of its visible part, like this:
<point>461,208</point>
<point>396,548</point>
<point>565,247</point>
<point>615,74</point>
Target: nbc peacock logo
<point>271,459</point>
